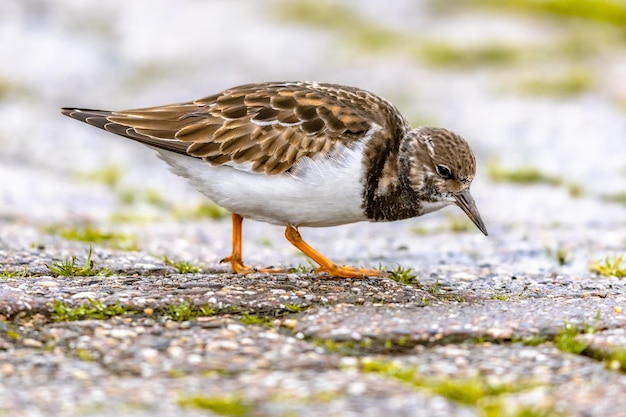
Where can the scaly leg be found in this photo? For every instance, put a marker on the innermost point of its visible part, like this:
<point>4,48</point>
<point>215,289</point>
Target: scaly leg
<point>236,258</point>
<point>326,265</point>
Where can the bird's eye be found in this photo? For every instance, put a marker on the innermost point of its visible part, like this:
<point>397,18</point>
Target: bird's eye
<point>444,171</point>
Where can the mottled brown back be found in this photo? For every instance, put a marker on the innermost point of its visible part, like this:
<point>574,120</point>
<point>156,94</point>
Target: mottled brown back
<point>268,125</point>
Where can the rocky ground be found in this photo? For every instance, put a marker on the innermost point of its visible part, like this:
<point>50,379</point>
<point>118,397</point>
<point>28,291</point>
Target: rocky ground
<point>112,298</point>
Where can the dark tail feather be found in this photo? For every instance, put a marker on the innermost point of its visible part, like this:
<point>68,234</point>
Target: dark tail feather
<point>99,119</point>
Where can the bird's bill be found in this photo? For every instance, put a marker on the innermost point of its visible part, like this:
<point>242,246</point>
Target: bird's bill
<point>468,205</point>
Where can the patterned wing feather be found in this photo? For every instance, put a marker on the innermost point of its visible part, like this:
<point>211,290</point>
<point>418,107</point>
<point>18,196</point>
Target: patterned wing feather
<point>267,126</point>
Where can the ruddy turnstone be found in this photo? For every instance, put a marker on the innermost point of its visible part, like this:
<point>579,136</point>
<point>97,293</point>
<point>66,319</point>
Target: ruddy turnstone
<point>303,154</point>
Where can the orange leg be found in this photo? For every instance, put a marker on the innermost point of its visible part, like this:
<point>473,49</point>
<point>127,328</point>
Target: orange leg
<point>326,265</point>
<point>236,258</point>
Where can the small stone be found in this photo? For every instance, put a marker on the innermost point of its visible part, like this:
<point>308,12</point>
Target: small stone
<point>48,284</point>
<point>84,294</point>
<point>289,323</point>
<point>33,343</point>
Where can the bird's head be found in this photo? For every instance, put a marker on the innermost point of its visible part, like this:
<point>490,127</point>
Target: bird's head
<point>441,169</point>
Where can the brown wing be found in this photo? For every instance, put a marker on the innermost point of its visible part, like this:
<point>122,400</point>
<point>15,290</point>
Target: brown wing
<point>269,125</point>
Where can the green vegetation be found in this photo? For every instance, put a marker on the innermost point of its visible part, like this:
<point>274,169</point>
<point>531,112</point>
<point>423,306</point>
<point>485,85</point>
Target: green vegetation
<point>109,175</point>
<point>84,354</point>
<point>353,28</point>
<point>614,360</point>
<point>91,234</point>
<point>151,196</point>
<point>404,275</point>
<point>230,406</point>
<point>612,267</point>
<point>91,310</point>
<point>7,273</point>
<point>206,210</point>
<point>68,268</point>
<point>295,308</point>
<point>501,297</point>
<point>445,54</point>
<point>13,335</point>
<point>606,11</point>
<point>476,391</point>
<point>522,175</point>
<point>182,267</point>
<point>532,340</point>
<point>453,224</point>
<point>616,198</point>
<point>569,83</point>
<point>303,269</point>
<point>568,339</point>
<point>255,320</point>
<point>186,311</point>
<point>560,254</point>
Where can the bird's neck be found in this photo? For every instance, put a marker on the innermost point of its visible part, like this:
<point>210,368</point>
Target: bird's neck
<point>387,195</point>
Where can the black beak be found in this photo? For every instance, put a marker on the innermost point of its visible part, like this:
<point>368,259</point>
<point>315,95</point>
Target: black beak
<point>468,205</point>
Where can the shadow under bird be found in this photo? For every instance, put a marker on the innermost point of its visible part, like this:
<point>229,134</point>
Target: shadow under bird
<point>303,154</point>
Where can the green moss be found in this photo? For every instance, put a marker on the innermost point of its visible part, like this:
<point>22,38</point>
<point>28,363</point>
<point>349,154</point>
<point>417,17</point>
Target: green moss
<point>13,335</point>
<point>207,210</point>
<point>444,54</point>
<point>501,297</point>
<point>84,354</point>
<point>68,268</point>
<point>522,175</point>
<point>255,320</point>
<point>127,196</point>
<point>612,267</point>
<point>533,340</point>
<point>91,310</point>
<point>606,11</point>
<point>295,308</point>
<point>619,198</point>
<point>109,175</point>
<point>568,340</point>
<point>348,25</point>
<point>404,275</point>
<point>92,234</point>
<point>9,273</point>
<point>186,311</point>
<point>182,267</point>
<point>569,83</point>
<point>231,406</point>
<point>467,391</point>
<point>615,360</point>
<point>561,254</point>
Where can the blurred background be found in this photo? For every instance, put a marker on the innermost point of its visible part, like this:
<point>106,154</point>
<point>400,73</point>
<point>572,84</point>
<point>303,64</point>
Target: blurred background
<point>538,88</point>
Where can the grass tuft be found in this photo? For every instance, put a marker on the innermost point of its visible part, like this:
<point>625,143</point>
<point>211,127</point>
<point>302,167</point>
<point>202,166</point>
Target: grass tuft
<point>109,175</point>
<point>7,273</point>
<point>612,267</point>
<point>229,406</point>
<point>404,275</point>
<point>444,54</point>
<point>91,310</point>
<point>182,267</point>
<point>522,175</point>
<point>91,234</point>
<point>186,311</point>
<point>68,268</point>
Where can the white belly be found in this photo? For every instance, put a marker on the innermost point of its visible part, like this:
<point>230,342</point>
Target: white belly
<point>324,192</point>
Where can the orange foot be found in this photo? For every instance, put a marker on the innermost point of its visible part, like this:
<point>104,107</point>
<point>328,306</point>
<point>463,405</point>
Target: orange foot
<point>236,259</point>
<point>240,268</point>
<point>325,264</point>
<point>293,236</point>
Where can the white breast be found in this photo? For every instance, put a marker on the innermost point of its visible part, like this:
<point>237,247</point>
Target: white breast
<point>324,192</point>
